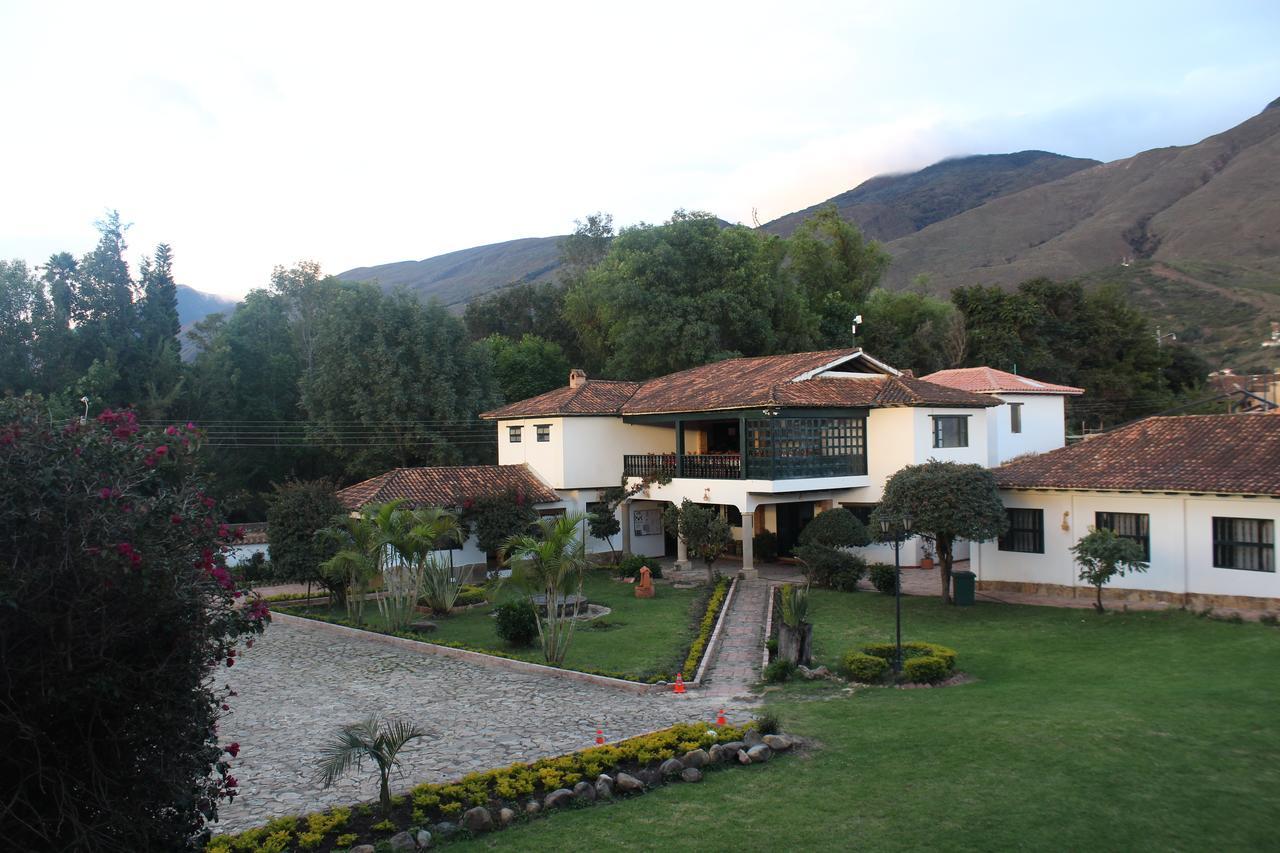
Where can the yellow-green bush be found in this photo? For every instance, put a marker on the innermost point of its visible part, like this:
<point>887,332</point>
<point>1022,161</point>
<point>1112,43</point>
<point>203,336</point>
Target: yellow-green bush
<point>705,628</point>
<point>863,667</point>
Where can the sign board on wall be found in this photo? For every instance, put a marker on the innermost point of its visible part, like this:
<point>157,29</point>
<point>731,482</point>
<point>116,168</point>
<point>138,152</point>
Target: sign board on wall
<point>646,522</point>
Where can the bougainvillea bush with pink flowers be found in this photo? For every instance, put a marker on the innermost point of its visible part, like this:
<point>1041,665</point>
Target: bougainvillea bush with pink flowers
<point>118,618</point>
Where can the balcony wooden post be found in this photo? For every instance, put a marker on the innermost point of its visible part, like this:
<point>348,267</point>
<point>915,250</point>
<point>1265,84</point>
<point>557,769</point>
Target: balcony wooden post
<point>626,527</point>
<point>742,448</point>
<point>679,448</point>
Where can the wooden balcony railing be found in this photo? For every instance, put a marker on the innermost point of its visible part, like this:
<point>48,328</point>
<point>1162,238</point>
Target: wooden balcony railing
<point>728,466</point>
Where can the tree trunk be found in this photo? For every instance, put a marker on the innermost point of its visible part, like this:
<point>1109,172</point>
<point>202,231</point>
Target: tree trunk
<point>1098,605</point>
<point>384,795</point>
<point>796,644</point>
<point>711,574</point>
<point>944,560</point>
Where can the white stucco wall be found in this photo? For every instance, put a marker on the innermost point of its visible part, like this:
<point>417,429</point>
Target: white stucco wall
<point>1043,426</point>
<point>583,452</point>
<point>652,545</point>
<point>1181,534</point>
<point>546,458</point>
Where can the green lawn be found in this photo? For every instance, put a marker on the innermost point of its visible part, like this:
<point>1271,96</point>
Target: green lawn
<point>1152,731</point>
<point>640,636</point>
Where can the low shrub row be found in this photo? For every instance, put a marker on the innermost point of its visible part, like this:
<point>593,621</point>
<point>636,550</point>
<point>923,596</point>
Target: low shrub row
<point>705,627</point>
<point>884,578</point>
<point>922,663</point>
<point>630,566</point>
<point>428,803</point>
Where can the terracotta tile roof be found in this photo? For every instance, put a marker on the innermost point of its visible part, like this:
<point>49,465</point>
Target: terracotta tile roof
<point>447,486</point>
<point>988,380</point>
<point>742,383</point>
<point>1218,454</point>
<point>594,397</point>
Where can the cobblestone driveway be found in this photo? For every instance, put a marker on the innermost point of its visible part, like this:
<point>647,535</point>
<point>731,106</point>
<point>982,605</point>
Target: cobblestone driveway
<point>299,683</point>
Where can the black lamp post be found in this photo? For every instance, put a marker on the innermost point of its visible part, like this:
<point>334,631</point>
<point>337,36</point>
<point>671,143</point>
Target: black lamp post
<point>900,530</point>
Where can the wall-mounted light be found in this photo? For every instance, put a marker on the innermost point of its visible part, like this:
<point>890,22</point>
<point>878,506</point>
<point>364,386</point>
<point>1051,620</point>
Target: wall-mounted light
<point>1065,516</point>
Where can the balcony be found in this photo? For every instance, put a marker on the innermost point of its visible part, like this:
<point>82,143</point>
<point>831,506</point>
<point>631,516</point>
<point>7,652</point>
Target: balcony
<point>728,466</point>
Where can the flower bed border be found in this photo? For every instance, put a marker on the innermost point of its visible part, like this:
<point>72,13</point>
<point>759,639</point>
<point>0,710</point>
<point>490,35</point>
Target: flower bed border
<point>646,756</point>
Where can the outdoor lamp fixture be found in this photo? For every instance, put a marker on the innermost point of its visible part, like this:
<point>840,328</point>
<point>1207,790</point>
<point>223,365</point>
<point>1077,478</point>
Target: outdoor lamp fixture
<point>900,531</point>
<point>84,419</point>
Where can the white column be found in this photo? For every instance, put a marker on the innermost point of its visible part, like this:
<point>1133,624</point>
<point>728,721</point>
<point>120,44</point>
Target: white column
<point>682,554</point>
<point>748,546</point>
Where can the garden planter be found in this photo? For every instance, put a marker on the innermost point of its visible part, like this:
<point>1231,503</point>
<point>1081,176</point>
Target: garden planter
<point>796,644</point>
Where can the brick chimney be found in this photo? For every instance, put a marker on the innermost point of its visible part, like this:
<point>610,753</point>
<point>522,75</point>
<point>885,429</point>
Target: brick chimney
<point>577,377</point>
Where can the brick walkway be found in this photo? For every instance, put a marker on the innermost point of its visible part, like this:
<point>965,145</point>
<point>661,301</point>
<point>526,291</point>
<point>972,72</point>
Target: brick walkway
<point>737,663</point>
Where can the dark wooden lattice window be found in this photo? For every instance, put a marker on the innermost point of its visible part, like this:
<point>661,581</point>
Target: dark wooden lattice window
<point>790,448</point>
<point>1244,543</point>
<point>1128,525</point>
<point>1026,531</point>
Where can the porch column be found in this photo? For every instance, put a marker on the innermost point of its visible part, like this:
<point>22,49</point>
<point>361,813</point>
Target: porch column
<point>748,546</point>
<point>625,509</point>
<point>682,554</point>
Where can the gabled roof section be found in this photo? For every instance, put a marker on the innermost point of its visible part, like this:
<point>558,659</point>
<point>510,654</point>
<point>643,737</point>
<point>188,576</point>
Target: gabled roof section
<point>806,379</point>
<point>1214,454</point>
<point>447,486</point>
<point>988,380</point>
<point>592,397</point>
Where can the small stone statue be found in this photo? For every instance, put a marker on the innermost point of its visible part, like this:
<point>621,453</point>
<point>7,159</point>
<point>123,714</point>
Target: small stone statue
<point>644,589</point>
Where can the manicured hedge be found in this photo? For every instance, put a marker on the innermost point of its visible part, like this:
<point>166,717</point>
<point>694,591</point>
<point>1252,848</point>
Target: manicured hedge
<point>913,650</point>
<point>926,669</point>
<point>862,667</point>
<point>705,627</point>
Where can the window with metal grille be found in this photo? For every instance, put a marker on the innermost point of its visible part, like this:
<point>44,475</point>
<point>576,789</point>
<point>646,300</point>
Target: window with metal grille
<point>1244,543</point>
<point>1128,525</point>
<point>1026,531</point>
<point>950,430</point>
<point>513,434</point>
<point>544,432</point>
<point>783,448</point>
<point>1015,417</point>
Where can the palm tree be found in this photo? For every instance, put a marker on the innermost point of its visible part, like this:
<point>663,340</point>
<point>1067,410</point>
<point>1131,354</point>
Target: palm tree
<point>357,557</point>
<point>372,739</point>
<point>433,528</point>
<point>550,561</point>
<point>396,553</point>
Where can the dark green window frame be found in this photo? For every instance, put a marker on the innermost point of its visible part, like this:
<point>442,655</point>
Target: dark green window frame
<point>1026,531</point>
<point>950,430</point>
<point>543,432</point>
<point>1128,525</point>
<point>1247,544</point>
<point>1015,417</point>
<point>513,434</point>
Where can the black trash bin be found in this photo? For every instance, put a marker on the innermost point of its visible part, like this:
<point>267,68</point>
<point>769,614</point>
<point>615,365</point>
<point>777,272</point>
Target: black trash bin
<point>963,585</point>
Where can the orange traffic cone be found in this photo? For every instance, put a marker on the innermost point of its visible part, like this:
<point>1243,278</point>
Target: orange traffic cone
<point>720,719</point>
<point>599,736</point>
<point>679,683</point>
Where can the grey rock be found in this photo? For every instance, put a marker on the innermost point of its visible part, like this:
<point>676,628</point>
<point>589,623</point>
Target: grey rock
<point>422,626</point>
<point>557,798</point>
<point>752,738</point>
<point>820,672</point>
<point>584,790</point>
<point>445,829</point>
<point>604,787</point>
<point>671,767</point>
<point>778,743</point>
<point>650,776</point>
<point>363,848</point>
<point>731,748</point>
<point>423,838</point>
<point>628,784</point>
<point>478,820</point>
<point>532,807</point>
<point>402,842</point>
<point>743,758</point>
<point>506,816</point>
<point>691,774</point>
<point>715,754</point>
<point>759,754</point>
<point>695,758</point>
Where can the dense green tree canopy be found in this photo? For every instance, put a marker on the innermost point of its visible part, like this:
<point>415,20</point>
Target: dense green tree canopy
<point>526,367</point>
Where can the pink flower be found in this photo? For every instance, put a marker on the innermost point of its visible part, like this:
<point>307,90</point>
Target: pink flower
<point>124,549</point>
<point>224,532</point>
<point>231,661</point>
<point>175,518</point>
<point>233,750</point>
<point>190,425</point>
<point>208,502</point>
<point>162,450</point>
<point>150,462</point>
<point>105,493</point>
<point>171,430</point>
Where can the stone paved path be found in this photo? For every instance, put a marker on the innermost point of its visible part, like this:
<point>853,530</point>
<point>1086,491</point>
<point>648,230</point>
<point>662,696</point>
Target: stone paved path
<point>299,683</point>
<point>737,663</point>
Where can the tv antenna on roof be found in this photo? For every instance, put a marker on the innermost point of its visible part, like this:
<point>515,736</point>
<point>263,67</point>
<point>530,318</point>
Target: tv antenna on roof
<point>857,321</point>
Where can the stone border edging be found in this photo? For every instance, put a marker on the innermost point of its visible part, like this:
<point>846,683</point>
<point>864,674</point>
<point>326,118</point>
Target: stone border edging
<point>768,630</point>
<point>713,643</point>
<point>480,658</point>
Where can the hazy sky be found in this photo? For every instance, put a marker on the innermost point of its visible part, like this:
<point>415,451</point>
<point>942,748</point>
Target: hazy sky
<point>249,135</point>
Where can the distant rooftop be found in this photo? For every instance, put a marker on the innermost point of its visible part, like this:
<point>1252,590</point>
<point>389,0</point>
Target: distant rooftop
<point>988,380</point>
